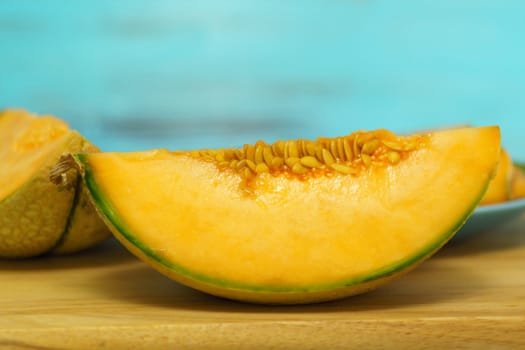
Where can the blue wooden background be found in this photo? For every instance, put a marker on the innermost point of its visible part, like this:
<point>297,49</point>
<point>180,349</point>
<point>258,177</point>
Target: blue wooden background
<point>134,74</point>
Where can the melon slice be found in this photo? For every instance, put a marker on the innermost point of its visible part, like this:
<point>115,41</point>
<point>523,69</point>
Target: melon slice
<point>36,217</point>
<point>518,182</point>
<point>500,189</point>
<point>296,221</point>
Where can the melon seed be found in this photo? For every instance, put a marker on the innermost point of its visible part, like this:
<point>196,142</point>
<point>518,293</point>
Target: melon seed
<point>247,174</point>
<point>310,162</point>
<point>396,146</point>
<point>393,157</point>
<point>267,155</point>
<point>261,168</point>
<point>410,146</point>
<point>291,146</point>
<point>241,164</point>
<point>258,155</point>
<point>333,148</point>
<point>347,150</point>
<point>219,156</point>
<point>356,145</point>
<point>239,154</point>
<point>340,148</point>
<point>370,147</point>
<point>277,162</point>
<point>366,159</point>
<point>299,169</point>
<point>343,169</point>
<point>229,153</point>
<point>319,152</point>
<point>291,161</point>
<point>328,159</point>
<point>250,152</point>
<point>250,164</point>
<point>278,148</point>
<point>310,149</point>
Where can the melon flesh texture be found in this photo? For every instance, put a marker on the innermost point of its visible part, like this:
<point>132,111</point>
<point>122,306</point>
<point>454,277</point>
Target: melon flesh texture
<point>36,216</point>
<point>291,240</point>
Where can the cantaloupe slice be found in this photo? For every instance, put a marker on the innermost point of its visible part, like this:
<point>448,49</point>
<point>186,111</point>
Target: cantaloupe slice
<point>518,182</point>
<point>500,189</point>
<point>296,221</point>
<point>36,217</point>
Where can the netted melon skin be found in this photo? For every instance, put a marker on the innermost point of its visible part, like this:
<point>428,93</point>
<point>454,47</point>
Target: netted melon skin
<point>33,218</point>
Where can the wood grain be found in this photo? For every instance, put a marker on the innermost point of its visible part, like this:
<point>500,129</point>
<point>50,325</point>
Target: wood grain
<point>469,296</point>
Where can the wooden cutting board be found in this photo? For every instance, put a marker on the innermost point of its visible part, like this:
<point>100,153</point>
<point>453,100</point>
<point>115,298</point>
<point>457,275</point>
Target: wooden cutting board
<point>471,295</point>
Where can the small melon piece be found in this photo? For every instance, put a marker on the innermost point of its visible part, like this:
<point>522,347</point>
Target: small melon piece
<point>293,221</point>
<point>36,217</point>
<point>518,182</point>
<point>501,186</point>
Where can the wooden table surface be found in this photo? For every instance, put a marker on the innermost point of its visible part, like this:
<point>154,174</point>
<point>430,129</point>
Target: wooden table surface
<point>471,295</point>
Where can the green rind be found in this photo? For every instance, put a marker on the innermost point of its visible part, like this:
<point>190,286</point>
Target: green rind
<point>114,219</point>
<point>65,233</point>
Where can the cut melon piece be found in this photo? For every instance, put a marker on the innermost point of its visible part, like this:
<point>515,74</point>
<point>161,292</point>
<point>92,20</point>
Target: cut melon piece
<point>36,217</point>
<point>296,221</point>
<point>500,188</point>
<point>518,182</point>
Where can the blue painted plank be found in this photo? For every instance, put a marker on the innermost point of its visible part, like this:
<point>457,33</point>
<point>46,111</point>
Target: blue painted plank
<point>185,74</point>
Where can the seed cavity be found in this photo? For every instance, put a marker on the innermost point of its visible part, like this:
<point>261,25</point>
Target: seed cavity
<point>348,155</point>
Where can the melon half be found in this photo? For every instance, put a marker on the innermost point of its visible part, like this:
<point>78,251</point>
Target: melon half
<point>37,217</point>
<point>296,221</point>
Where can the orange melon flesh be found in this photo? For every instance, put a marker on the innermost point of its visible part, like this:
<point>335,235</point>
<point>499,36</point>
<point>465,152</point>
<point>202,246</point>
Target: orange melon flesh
<point>26,142</point>
<point>291,239</point>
